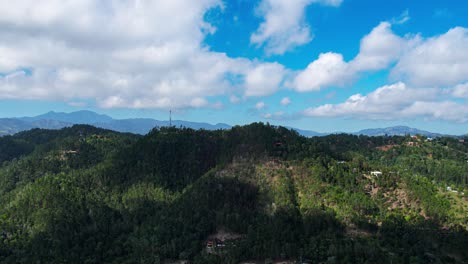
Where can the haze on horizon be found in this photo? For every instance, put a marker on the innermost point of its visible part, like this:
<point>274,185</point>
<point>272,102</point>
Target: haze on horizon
<point>323,65</point>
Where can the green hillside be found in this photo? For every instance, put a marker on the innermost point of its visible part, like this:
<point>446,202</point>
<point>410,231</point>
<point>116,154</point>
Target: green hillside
<point>256,194</point>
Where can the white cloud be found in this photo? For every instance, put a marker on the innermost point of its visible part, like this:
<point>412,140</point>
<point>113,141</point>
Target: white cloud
<point>132,54</point>
<point>378,50</point>
<point>328,70</point>
<point>260,105</point>
<point>445,110</point>
<point>437,61</point>
<point>71,51</point>
<point>460,91</point>
<point>285,101</point>
<point>264,79</point>
<point>394,102</point>
<point>284,26</point>
<point>440,60</point>
<point>198,102</point>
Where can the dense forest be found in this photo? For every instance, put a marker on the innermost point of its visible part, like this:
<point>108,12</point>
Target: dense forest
<point>250,194</point>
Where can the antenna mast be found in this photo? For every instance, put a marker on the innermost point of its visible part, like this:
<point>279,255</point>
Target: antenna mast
<point>170,118</point>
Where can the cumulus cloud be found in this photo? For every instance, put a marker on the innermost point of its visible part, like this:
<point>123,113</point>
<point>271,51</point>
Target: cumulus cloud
<point>264,79</point>
<point>393,102</point>
<point>440,60</point>
<point>328,70</point>
<point>437,61</point>
<point>284,26</point>
<point>132,54</point>
<point>285,101</point>
<point>377,51</point>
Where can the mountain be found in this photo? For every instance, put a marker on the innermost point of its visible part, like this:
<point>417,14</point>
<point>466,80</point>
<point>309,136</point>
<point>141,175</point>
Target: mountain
<point>250,194</point>
<point>396,131</point>
<point>144,125</point>
<point>308,133</point>
<point>9,126</point>
<point>78,117</point>
<point>57,120</point>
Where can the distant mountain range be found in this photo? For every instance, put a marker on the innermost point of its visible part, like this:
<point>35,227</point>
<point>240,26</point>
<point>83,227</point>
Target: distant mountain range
<point>396,131</point>
<point>55,120</point>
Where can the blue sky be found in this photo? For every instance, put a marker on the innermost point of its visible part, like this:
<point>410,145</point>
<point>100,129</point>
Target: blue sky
<point>323,65</point>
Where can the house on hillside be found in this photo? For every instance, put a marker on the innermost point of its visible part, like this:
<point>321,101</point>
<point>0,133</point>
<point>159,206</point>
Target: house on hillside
<point>220,241</point>
<point>450,189</point>
<point>66,153</point>
<point>220,244</point>
<point>209,244</point>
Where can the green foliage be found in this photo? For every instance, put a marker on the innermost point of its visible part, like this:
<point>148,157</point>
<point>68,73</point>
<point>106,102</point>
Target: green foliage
<point>88,195</point>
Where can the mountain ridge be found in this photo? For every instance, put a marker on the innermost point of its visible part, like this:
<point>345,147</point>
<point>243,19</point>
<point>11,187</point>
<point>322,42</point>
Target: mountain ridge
<point>82,116</point>
<point>57,120</point>
<point>396,131</point>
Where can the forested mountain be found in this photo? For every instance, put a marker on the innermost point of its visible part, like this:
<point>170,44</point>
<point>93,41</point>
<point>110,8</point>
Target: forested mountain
<point>256,194</point>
